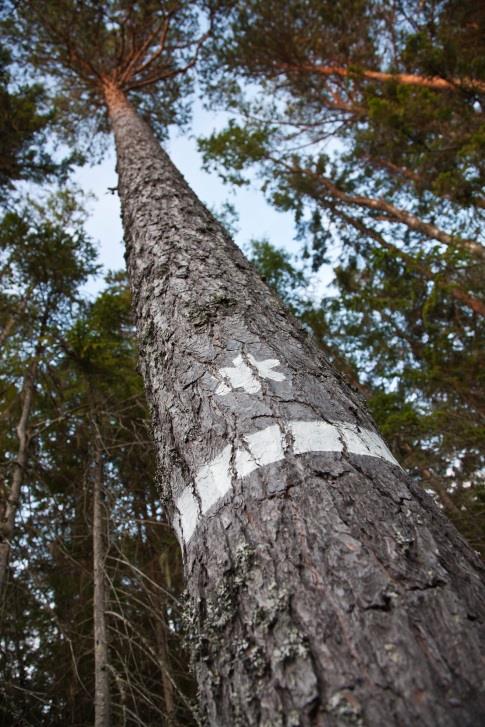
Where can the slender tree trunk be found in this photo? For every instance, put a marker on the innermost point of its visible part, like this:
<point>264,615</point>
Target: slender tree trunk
<point>324,587</point>
<point>9,511</point>
<point>101,669</point>
<point>7,524</point>
<point>158,600</point>
<point>164,657</point>
<point>7,330</point>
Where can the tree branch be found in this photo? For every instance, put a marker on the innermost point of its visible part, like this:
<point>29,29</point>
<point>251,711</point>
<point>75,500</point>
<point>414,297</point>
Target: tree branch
<point>395,214</point>
<point>407,79</point>
<point>161,46</point>
<point>476,305</point>
<point>137,55</point>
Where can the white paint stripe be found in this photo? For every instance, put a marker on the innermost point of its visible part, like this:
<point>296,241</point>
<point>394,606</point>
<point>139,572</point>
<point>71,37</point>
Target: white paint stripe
<point>240,376</point>
<point>214,479</point>
<point>366,442</point>
<point>315,437</point>
<point>261,448</point>
<point>189,511</point>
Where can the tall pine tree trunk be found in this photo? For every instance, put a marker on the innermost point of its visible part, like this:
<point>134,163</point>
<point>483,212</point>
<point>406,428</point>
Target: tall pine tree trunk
<point>324,587</point>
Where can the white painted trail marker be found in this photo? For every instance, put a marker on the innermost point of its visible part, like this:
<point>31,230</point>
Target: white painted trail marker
<point>242,376</point>
<point>264,447</point>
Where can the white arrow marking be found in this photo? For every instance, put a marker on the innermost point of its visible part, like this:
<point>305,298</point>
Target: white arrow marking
<point>264,447</point>
<point>241,376</point>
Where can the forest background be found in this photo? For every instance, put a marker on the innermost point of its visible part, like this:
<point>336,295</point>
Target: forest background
<point>383,178</point>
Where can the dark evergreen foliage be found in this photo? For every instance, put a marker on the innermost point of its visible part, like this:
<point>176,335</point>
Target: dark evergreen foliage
<point>88,369</point>
<point>24,124</point>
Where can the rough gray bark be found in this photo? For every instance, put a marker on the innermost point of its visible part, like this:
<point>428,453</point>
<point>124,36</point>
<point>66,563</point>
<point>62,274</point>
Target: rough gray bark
<point>324,588</point>
<point>101,662</point>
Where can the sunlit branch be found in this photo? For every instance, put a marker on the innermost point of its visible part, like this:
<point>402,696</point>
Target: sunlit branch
<point>127,72</point>
<point>407,79</point>
<point>161,47</point>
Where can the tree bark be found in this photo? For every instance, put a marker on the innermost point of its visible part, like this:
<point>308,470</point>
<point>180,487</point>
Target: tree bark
<point>324,587</point>
<point>101,663</point>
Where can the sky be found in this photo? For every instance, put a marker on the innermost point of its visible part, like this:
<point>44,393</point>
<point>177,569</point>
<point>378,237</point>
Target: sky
<point>256,218</point>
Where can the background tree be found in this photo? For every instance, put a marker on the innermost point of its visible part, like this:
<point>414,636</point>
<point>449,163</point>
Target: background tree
<point>49,607</point>
<point>139,565</point>
<point>48,639</point>
<point>34,297</point>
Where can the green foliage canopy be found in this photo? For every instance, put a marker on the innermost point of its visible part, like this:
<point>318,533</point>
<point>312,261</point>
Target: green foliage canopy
<point>82,46</point>
<point>24,123</point>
